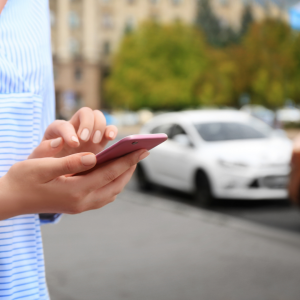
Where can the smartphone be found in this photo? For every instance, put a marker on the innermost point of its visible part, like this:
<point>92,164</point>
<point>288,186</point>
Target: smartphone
<point>130,144</point>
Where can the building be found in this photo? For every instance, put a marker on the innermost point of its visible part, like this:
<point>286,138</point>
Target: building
<point>86,32</point>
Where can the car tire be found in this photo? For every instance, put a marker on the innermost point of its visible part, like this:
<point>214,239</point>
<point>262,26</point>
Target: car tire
<point>142,180</point>
<point>203,195</point>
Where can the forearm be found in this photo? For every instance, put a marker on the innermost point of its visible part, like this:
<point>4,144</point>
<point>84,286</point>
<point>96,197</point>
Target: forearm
<point>9,205</point>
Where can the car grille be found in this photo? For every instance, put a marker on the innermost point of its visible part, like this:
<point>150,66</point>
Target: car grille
<point>270,182</point>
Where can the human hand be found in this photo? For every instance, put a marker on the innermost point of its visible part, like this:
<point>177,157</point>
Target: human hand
<point>46,186</point>
<point>294,183</point>
<point>85,132</point>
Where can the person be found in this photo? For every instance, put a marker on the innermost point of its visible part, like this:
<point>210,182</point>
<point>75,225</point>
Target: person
<point>294,182</point>
<point>38,155</point>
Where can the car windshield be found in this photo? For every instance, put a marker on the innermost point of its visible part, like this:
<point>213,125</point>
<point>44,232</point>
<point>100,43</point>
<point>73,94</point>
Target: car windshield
<point>226,131</point>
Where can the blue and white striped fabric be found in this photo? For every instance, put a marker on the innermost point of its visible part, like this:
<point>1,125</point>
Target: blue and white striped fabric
<point>26,109</point>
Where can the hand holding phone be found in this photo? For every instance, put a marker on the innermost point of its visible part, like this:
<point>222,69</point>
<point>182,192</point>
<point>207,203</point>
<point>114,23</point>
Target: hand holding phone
<point>130,144</point>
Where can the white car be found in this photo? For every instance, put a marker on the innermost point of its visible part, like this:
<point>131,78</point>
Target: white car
<point>217,154</point>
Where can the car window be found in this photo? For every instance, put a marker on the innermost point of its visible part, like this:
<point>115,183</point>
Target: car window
<point>175,130</point>
<point>223,131</point>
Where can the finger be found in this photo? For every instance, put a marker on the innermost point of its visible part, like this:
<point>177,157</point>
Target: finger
<point>99,126</point>
<point>48,169</point>
<point>83,121</point>
<point>110,134</point>
<point>64,129</point>
<point>107,194</point>
<point>47,148</point>
<point>109,172</point>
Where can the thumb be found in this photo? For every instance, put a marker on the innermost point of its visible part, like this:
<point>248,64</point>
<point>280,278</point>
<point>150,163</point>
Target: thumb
<point>47,148</point>
<point>51,168</point>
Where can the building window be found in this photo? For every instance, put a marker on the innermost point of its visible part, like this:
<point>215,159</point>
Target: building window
<point>223,2</point>
<point>78,74</point>
<point>52,18</point>
<point>176,2</point>
<point>74,47</point>
<point>154,1</point>
<point>129,24</point>
<point>107,21</point>
<point>55,73</point>
<point>154,18</point>
<point>74,21</point>
<point>131,2</point>
<point>106,48</point>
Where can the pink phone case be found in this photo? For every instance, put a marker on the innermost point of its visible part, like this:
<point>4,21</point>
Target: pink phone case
<point>129,144</point>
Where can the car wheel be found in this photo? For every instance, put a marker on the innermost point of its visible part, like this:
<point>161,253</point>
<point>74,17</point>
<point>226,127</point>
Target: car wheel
<point>203,194</point>
<point>143,182</point>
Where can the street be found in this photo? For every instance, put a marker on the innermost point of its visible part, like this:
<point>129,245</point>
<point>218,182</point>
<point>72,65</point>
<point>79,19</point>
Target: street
<point>159,246</point>
<point>277,214</point>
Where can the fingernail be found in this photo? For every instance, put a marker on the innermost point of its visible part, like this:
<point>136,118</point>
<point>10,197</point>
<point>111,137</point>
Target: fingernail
<point>75,139</point>
<point>144,155</point>
<point>97,137</point>
<point>55,143</point>
<point>111,134</point>
<point>84,134</point>
<point>88,160</point>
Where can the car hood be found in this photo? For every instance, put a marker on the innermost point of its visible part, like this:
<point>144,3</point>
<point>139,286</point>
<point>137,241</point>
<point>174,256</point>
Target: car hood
<point>273,151</point>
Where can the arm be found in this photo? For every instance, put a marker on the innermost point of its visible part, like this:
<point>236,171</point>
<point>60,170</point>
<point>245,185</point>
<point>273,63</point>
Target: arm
<point>44,186</point>
<point>66,137</point>
<point>2,4</point>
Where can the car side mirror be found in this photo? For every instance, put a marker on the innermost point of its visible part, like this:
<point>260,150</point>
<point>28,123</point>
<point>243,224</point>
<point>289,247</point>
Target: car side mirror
<point>182,139</point>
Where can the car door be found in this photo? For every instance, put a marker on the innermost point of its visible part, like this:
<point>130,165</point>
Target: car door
<point>171,161</point>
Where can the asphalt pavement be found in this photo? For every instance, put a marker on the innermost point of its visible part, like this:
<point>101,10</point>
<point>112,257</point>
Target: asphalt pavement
<point>156,246</point>
<point>277,214</point>
<point>160,245</point>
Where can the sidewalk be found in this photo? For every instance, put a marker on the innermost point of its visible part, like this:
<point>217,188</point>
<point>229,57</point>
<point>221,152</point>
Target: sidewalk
<point>144,248</point>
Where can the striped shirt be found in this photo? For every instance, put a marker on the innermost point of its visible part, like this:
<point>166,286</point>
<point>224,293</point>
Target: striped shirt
<point>26,109</point>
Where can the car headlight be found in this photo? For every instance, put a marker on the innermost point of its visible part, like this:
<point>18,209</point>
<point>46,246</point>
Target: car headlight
<point>229,164</point>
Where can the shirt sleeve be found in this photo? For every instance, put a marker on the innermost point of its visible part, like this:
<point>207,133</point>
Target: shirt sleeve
<point>49,218</point>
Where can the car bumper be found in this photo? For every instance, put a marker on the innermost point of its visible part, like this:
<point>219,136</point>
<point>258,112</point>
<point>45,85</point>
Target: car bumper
<point>258,194</point>
<point>262,184</point>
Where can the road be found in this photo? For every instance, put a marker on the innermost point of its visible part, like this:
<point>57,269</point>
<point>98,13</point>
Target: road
<point>159,246</point>
<point>276,214</point>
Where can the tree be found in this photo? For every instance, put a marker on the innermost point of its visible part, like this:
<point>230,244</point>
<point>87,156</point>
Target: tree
<point>246,22</point>
<point>156,67</point>
<point>265,66</point>
<point>266,63</point>
<point>215,86</point>
<point>216,33</point>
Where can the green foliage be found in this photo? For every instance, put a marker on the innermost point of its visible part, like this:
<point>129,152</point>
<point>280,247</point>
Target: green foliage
<point>218,34</point>
<point>209,23</point>
<point>156,67</point>
<point>246,22</point>
<point>173,67</point>
<point>265,66</point>
<point>267,62</point>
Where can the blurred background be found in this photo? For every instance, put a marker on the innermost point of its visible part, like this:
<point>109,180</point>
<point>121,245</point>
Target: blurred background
<point>235,63</point>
